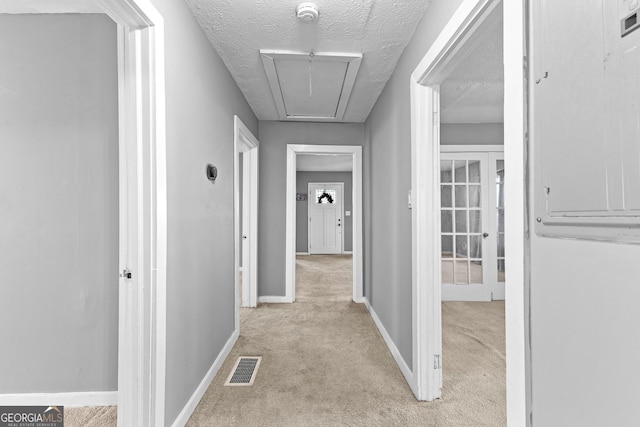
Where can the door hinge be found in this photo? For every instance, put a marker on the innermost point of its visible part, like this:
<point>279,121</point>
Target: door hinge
<point>126,273</point>
<point>435,118</point>
<point>436,361</point>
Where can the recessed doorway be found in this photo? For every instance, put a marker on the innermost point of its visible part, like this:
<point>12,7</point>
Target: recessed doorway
<point>353,156</point>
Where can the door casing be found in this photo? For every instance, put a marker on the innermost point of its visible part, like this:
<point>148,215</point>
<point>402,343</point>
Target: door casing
<point>426,381</point>
<point>290,218</point>
<point>246,143</point>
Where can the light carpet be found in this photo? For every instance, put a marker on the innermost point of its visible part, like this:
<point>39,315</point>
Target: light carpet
<point>324,363</point>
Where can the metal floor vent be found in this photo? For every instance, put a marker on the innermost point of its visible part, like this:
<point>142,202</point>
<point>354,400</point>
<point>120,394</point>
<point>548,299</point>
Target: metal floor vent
<point>244,371</point>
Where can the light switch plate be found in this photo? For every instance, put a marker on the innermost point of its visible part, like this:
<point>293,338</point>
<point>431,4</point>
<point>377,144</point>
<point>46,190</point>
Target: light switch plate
<point>347,213</point>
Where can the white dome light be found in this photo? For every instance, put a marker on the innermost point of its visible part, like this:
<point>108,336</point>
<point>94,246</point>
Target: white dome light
<point>307,11</point>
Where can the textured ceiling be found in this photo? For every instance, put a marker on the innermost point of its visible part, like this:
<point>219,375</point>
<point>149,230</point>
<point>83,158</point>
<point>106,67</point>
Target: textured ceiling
<point>48,6</point>
<point>379,29</point>
<point>474,91</point>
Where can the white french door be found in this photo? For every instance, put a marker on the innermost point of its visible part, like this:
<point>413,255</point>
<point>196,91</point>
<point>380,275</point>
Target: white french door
<point>472,226</point>
<point>325,218</point>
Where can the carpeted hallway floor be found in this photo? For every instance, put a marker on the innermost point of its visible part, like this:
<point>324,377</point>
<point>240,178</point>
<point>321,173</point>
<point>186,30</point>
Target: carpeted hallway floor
<point>325,364</point>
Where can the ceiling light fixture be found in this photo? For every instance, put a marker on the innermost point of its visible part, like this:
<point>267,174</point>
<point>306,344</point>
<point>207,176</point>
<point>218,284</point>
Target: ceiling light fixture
<point>307,11</point>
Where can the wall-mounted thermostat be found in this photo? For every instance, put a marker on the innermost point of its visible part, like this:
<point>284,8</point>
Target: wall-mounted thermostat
<point>212,173</point>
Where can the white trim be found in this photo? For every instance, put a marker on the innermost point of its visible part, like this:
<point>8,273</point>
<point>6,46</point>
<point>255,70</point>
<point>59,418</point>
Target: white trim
<point>274,300</point>
<point>515,158</point>
<point>302,253</point>
<point>290,216</point>
<point>191,405</point>
<point>245,142</point>
<point>426,290</point>
<point>347,252</point>
<point>143,210</point>
<point>71,400</point>
<point>471,148</point>
<point>457,37</point>
<point>404,368</point>
<point>352,60</point>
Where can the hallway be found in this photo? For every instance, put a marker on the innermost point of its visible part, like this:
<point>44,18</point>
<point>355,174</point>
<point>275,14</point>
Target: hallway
<point>324,363</point>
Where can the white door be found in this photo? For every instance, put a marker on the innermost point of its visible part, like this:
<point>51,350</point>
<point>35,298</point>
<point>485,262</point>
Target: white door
<point>325,218</point>
<point>246,216</point>
<point>472,226</point>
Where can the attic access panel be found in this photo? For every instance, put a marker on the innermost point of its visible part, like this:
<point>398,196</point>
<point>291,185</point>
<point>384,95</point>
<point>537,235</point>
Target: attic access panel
<point>311,87</point>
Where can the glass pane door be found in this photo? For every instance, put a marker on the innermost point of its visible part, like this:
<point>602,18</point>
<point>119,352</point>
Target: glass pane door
<point>462,218</point>
<point>472,229</point>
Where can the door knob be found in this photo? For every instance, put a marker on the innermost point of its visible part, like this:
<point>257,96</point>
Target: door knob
<point>485,235</point>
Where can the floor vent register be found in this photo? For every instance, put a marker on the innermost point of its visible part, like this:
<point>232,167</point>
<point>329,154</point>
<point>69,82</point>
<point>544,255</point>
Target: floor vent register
<point>244,371</point>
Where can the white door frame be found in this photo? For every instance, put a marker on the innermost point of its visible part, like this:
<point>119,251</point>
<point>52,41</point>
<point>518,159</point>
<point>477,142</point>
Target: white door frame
<point>143,206</point>
<point>290,217</point>
<point>245,142</point>
<point>456,37</point>
<point>310,203</point>
<point>143,202</point>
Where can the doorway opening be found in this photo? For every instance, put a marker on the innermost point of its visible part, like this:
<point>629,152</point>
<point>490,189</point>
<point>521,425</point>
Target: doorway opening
<point>323,200</point>
<point>460,37</point>
<point>245,192</point>
<point>470,114</point>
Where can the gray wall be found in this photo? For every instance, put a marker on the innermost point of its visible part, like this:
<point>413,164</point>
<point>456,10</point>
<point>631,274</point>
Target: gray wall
<point>58,203</point>
<point>472,134</point>
<point>274,137</point>
<point>388,219</point>
<point>302,208</point>
<point>202,98</point>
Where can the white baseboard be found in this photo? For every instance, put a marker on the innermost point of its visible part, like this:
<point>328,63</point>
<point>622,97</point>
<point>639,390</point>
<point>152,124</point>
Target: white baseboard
<point>404,368</point>
<point>302,253</point>
<point>275,300</point>
<point>186,412</point>
<point>89,398</point>
<point>347,252</point>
